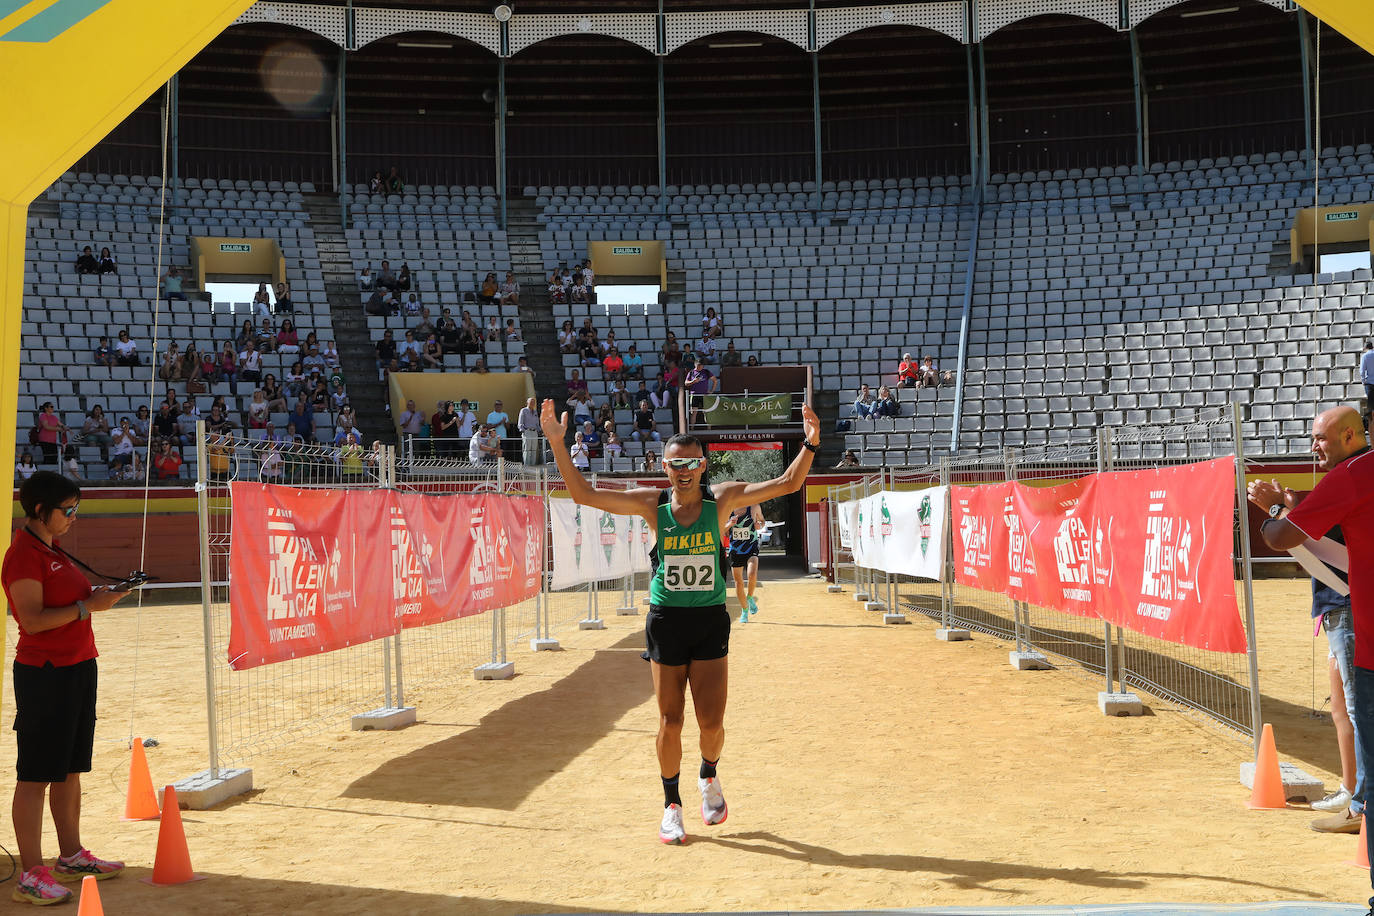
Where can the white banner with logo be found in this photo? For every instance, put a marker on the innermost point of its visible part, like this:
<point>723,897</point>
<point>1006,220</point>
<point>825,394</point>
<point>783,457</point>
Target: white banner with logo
<point>592,546</point>
<point>900,532</point>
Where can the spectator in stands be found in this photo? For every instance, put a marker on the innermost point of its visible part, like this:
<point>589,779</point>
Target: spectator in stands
<point>580,292</point>
<point>164,424</point>
<point>582,407</point>
<point>330,354</point>
<point>752,362</point>
<point>411,361</point>
<point>139,425</point>
<point>394,182</point>
<point>528,424</point>
<point>385,350</point>
<point>351,459</point>
<point>366,281</point>
<point>276,397</point>
<point>706,349</point>
<point>302,417</point>
<point>411,420</point>
<point>186,423</point>
<point>731,357</point>
<point>558,293</point>
<point>107,262</point>
<point>605,416</point>
<point>567,338</point>
<point>412,306</point>
<point>850,460</point>
<point>432,353</point>
<point>171,285</point>
<point>319,396</point>
<point>273,467</point>
<point>403,281</point>
<point>634,364</point>
<point>25,468</point>
<point>510,333</point>
<point>470,335</point>
<point>510,290</point>
<point>96,431</point>
<point>246,333</point>
<point>426,327</point>
<point>492,333</point>
<point>641,392</point>
<point>588,275</point>
<point>284,303</point>
<point>620,396</point>
<point>590,352</point>
<point>51,432</point>
<point>126,351</point>
<point>409,346</point>
<point>711,325</point>
<point>581,455</point>
<point>228,366</point>
<point>86,262</point>
<point>104,354</point>
<point>1367,374</point>
<point>480,367</point>
<point>886,405</point>
<point>522,364</point>
<point>386,278</point>
<point>287,342</point>
<point>170,370</point>
<point>484,447</point>
<point>123,455</point>
<point>167,462</point>
<point>250,363</point>
<point>644,424</point>
<point>592,439</point>
<point>671,350</point>
<point>267,337</point>
<point>295,379</point>
<point>257,410</point>
<point>932,377</point>
<point>209,369</point>
<point>908,372</point>
<point>490,290</point>
<point>612,448</point>
<point>575,383</point>
<point>498,419</point>
<point>614,366</point>
<point>338,396</point>
<point>865,403</point>
<point>378,184</point>
<point>218,421</point>
<point>467,418</point>
<point>700,382</point>
<point>450,337</point>
<point>71,466</point>
<point>262,302</point>
<point>665,387</point>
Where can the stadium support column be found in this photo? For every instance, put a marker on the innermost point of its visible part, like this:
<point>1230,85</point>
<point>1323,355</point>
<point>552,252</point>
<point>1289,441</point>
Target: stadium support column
<point>174,139</point>
<point>662,140</point>
<point>341,94</point>
<point>985,142</point>
<point>973,131</point>
<point>816,123</point>
<point>1305,50</point>
<point>501,136</point>
<point>1142,119</point>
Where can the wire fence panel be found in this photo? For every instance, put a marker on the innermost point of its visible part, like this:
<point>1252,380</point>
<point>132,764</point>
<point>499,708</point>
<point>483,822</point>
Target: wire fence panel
<point>1221,686</point>
<point>262,708</point>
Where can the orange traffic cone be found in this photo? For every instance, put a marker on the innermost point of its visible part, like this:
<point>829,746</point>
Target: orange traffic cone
<point>1362,854</point>
<point>90,898</point>
<point>141,804</point>
<point>1268,791</point>
<point>172,864</point>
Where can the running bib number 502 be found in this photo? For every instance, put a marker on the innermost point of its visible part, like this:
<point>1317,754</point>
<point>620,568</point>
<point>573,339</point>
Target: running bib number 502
<point>690,573</point>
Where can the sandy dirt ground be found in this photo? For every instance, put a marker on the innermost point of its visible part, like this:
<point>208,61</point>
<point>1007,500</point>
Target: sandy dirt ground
<point>865,767</point>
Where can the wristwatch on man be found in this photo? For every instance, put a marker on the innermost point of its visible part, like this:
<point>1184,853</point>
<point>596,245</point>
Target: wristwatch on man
<point>1276,510</point>
<point>82,612</point>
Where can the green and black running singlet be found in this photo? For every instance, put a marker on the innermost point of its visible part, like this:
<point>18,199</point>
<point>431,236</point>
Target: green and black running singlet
<point>687,560</point>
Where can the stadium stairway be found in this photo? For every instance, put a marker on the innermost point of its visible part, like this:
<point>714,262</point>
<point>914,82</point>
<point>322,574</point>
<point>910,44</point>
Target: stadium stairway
<point>536,315</point>
<point>356,354</point>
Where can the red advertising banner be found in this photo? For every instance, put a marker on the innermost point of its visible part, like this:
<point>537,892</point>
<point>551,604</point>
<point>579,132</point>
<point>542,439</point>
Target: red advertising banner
<point>311,571</point>
<point>304,577</point>
<point>1148,550</point>
<point>1166,565</point>
<point>1056,525</point>
<point>980,535</point>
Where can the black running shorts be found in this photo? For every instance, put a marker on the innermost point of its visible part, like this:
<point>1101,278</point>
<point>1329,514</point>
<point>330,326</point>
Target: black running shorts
<point>740,560</point>
<point>678,635</point>
<point>54,720</point>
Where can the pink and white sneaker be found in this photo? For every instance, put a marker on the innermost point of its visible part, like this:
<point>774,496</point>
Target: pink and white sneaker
<point>37,886</point>
<point>82,864</point>
<point>670,829</point>
<point>713,807</point>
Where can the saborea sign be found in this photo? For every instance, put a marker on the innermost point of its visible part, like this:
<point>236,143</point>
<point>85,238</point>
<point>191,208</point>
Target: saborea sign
<point>725,410</point>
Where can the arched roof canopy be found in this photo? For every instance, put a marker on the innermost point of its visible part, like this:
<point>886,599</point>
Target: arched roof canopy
<point>894,103</point>
<point>1060,95</point>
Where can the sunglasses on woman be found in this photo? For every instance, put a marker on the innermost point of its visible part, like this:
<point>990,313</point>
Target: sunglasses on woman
<point>69,511</point>
<point>684,464</point>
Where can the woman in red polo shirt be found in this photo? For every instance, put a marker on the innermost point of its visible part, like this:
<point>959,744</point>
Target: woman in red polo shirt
<point>54,687</point>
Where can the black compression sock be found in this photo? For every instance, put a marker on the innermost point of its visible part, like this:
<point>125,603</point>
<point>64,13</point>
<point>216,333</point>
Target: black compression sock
<point>708,768</point>
<point>670,793</point>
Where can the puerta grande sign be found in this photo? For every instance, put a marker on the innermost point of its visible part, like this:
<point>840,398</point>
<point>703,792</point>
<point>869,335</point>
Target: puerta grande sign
<point>734,410</point>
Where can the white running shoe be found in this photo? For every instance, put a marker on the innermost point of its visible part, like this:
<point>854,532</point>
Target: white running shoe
<point>670,830</point>
<point>1336,801</point>
<point>713,807</point>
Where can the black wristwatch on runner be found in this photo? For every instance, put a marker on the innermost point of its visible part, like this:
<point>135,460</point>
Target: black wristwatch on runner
<point>808,445</point>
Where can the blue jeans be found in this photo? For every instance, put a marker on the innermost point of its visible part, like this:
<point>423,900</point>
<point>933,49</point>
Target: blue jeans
<point>1340,637</point>
<point>862,409</point>
<point>1364,736</point>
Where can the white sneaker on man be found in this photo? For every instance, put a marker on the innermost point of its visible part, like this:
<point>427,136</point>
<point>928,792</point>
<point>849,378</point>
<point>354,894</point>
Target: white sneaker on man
<point>1336,801</point>
<point>713,807</point>
<point>670,829</point>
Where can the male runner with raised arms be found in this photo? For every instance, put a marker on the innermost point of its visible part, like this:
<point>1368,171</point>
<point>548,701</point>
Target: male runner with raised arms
<point>744,527</point>
<point>687,629</point>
